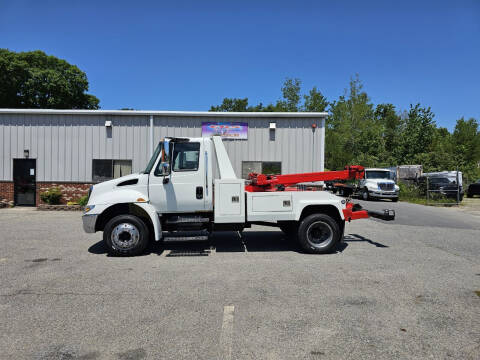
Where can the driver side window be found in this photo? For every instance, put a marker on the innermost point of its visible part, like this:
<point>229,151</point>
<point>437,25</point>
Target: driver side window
<point>186,156</point>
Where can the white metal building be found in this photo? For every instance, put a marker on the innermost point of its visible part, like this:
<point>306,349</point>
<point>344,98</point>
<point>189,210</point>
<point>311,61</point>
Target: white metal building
<point>69,147</point>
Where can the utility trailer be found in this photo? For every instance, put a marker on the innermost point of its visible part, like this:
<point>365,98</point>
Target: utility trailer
<point>178,198</point>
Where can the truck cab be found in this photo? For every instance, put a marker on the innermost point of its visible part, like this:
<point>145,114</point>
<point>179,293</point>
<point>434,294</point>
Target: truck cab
<point>378,183</point>
<point>189,190</point>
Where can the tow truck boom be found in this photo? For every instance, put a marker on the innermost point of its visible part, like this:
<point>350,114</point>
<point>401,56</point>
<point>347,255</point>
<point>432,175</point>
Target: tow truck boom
<point>262,182</point>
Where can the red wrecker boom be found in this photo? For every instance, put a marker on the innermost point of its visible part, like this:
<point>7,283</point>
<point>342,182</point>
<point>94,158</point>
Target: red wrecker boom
<point>262,182</point>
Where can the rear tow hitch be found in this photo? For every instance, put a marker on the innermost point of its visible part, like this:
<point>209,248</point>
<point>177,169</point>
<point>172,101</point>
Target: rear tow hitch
<point>355,211</point>
<point>385,214</point>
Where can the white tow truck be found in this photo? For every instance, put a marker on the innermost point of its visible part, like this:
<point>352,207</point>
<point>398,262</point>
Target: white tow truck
<point>178,197</point>
<point>374,184</point>
<point>378,183</point>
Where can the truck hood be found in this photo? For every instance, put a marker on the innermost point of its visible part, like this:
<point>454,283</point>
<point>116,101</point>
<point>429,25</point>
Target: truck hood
<point>109,184</point>
<point>126,189</point>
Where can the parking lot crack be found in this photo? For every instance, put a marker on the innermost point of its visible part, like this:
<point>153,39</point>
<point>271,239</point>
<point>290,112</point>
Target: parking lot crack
<point>62,293</point>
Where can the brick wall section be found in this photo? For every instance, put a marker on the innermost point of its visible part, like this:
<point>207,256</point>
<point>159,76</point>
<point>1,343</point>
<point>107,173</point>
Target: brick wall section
<point>6,190</point>
<point>70,191</point>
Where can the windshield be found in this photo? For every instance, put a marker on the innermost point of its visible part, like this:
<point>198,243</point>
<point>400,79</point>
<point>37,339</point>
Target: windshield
<point>377,174</point>
<point>157,151</point>
<point>439,181</point>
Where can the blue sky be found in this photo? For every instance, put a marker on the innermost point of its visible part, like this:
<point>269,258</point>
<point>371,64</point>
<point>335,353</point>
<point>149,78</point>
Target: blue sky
<point>181,55</point>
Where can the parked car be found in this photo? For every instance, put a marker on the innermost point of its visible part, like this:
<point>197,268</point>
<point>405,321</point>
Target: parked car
<point>441,185</point>
<point>473,189</point>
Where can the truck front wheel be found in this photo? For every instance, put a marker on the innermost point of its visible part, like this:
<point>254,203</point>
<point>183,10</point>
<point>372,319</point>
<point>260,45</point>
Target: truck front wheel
<point>126,235</point>
<point>318,234</point>
<point>365,195</point>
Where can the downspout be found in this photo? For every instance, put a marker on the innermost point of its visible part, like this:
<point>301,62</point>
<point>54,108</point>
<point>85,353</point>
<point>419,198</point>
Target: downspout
<point>151,135</point>
<point>322,145</point>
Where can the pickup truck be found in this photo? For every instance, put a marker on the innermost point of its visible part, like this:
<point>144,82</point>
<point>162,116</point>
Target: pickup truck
<point>178,197</point>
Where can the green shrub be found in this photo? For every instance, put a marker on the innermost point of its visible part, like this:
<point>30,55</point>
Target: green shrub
<point>410,191</point>
<point>51,196</point>
<point>83,200</point>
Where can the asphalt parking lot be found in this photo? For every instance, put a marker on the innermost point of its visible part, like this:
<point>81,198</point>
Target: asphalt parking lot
<point>402,290</point>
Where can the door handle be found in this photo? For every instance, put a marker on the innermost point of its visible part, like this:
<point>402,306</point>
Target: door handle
<point>199,192</point>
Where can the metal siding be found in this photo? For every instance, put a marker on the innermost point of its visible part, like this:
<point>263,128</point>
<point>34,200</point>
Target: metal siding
<point>65,144</point>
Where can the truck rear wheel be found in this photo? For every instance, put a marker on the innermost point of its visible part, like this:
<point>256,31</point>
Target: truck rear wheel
<point>318,234</point>
<point>126,235</point>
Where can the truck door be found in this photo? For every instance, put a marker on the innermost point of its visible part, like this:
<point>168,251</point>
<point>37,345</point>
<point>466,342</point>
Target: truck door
<point>182,187</point>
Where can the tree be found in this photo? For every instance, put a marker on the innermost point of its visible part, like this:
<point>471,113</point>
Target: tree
<point>35,80</point>
<point>232,105</point>
<point>352,136</point>
<point>418,133</point>
<point>315,101</point>
<point>390,124</point>
<point>291,95</point>
<point>466,146</point>
<point>466,139</point>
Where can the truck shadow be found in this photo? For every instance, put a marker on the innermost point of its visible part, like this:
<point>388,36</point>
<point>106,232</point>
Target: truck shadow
<point>359,238</point>
<point>223,242</point>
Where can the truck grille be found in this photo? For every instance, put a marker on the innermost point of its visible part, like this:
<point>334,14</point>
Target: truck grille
<point>386,186</point>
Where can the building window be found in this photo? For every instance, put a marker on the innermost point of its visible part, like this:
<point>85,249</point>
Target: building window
<point>261,167</point>
<point>104,170</point>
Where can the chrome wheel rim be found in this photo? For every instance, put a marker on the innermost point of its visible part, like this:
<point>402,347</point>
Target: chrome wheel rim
<point>319,234</point>
<point>125,236</point>
<point>365,195</point>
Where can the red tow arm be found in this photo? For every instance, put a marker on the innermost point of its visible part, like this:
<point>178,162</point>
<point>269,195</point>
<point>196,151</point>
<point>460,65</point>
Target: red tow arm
<point>355,212</point>
<point>262,182</point>
<point>350,214</point>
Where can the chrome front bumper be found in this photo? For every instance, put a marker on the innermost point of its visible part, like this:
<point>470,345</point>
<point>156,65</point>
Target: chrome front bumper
<point>383,194</point>
<point>89,222</point>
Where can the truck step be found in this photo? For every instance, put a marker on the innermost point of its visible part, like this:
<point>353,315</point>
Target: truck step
<point>186,219</point>
<point>186,236</point>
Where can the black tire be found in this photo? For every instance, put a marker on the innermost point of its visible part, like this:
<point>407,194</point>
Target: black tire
<point>131,235</point>
<point>365,195</point>
<point>469,195</point>
<point>341,192</point>
<point>318,234</point>
<point>290,230</point>
<point>394,199</point>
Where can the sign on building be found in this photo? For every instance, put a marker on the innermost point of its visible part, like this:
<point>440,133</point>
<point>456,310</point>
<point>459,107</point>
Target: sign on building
<point>227,130</point>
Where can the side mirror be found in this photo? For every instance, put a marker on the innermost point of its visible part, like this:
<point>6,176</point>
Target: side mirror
<point>165,168</point>
<point>165,171</point>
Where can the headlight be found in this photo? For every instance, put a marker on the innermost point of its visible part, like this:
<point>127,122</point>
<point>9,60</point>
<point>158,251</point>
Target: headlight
<point>88,208</point>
